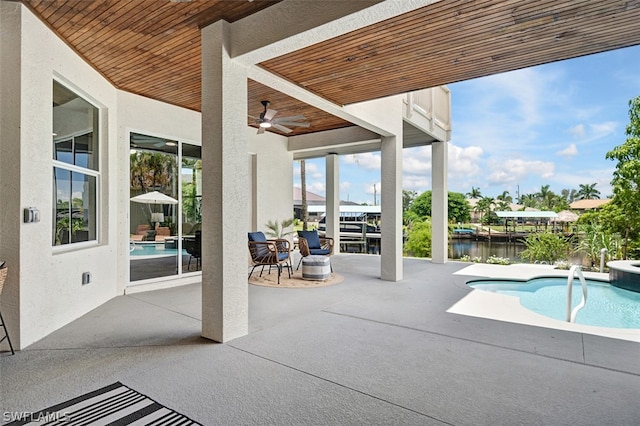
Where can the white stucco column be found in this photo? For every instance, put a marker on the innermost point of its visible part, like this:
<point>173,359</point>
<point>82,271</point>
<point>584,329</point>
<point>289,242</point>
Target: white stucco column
<point>10,168</point>
<point>225,193</point>
<point>439,203</point>
<point>332,164</point>
<point>391,205</point>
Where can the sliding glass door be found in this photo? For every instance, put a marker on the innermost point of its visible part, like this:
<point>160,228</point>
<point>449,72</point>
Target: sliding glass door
<point>165,195</point>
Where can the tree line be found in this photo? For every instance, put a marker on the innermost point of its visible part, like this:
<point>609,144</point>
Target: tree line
<point>615,226</point>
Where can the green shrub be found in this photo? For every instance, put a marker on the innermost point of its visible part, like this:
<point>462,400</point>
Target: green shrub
<point>593,238</point>
<point>545,247</point>
<point>419,239</point>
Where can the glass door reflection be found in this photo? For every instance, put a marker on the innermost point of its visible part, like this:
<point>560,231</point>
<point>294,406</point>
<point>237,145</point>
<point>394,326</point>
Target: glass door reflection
<point>191,226</point>
<point>154,234</point>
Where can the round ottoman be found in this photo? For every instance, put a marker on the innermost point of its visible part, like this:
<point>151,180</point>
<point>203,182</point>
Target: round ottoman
<point>316,268</point>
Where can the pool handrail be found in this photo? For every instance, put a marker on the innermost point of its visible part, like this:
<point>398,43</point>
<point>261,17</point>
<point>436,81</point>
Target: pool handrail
<point>571,315</point>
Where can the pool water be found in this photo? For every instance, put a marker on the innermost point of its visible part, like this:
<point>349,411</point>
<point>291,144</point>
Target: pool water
<point>153,250</point>
<point>607,306</point>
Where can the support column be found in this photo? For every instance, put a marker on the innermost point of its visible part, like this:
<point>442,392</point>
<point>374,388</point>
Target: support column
<point>391,204</point>
<point>225,178</point>
<point>439,203</point>
<point>333,199</point>
<point>11,170</point>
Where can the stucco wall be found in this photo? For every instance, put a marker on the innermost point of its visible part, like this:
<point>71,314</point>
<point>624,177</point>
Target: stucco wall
<point>47,282</point>
<point>9,167</point>
<point>44,290</point>
<point>274,178</point>
<point>146,116</point>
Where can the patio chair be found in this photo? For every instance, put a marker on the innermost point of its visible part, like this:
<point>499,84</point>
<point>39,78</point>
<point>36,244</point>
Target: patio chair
<point>312,244</point>
<point>162,232</point>
<point>276,252</point>
<point>3,277</point>
<point>193,246</point>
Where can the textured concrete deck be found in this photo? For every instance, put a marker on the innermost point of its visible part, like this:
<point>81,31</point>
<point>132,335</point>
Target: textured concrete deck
<point>361,352</point>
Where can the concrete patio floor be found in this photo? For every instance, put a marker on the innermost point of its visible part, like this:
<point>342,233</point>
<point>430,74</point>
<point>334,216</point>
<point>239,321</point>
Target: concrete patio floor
<point>364,351</point>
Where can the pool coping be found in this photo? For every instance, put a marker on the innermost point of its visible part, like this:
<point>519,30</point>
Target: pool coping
<point>501,307</point>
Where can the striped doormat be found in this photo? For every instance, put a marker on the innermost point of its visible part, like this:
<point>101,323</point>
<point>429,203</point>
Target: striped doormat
<point>114,405</point>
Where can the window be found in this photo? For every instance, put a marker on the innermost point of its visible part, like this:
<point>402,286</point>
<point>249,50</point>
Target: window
<point>76,173</point>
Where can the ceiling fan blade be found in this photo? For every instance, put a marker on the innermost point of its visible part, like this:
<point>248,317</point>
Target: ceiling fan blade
<point>270,114</point>
<point>282,128</point>
<point>291,118</point>
<point>260,130</point>
<point>292,123</point>
<point>253,117</point>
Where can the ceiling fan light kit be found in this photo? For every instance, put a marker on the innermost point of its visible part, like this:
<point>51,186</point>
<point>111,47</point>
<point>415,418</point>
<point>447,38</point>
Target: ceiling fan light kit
<point>267,120</point>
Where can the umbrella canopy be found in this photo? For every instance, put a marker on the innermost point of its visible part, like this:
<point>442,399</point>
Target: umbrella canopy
<point>566,216</point>
<point>154,197</point>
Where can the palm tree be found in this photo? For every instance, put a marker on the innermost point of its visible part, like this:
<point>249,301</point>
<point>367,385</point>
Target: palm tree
<point>545,197</point>
<point>474,193</point>
<point>588,192</point>
<point>505,197</point>
<point>483,206</point>
<point>569,195</point>
<point>528,200</point>
<point>503,206</point>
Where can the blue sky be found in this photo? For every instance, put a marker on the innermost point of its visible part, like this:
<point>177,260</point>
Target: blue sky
<point>547,125</point>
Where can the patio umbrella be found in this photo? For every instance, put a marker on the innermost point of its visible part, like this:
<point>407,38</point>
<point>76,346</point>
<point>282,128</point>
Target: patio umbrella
<point>154,197</point>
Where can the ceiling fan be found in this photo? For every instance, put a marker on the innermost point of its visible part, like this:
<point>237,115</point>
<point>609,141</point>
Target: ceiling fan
<point>267,120</point>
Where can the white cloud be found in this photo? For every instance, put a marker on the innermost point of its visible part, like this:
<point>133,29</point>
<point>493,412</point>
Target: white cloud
<point>317,188</point>
<point>312,170</point>
<point>569,151</point>
<point>416,160</point>
<point>600,176</point>
<point>368,160</point>
<point>603,129</point>
<point>577,131</point>
<point>514,170</point>
<point>373,188</point>
<point>368,191</point>
<point>416,183</point>
<point>464,160</point>
<point>506,113</point>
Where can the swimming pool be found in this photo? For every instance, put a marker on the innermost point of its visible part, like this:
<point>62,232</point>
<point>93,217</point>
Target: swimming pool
<point>607,306</point>
<point>149,250</point>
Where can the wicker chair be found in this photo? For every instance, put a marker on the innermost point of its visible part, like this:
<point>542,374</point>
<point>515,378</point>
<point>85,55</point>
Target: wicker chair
<point>270,253</point>
<point>311,244</point>
<point>3,277</point>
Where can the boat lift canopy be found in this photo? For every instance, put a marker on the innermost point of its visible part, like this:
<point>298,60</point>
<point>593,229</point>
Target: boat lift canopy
<point>527,215</point>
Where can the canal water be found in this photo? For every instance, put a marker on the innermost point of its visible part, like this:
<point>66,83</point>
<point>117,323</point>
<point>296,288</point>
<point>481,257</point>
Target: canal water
<point>485,249</point>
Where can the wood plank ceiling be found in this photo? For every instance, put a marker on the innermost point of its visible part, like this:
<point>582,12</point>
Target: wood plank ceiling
<point>451,41</point>
<point>152,47</point>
